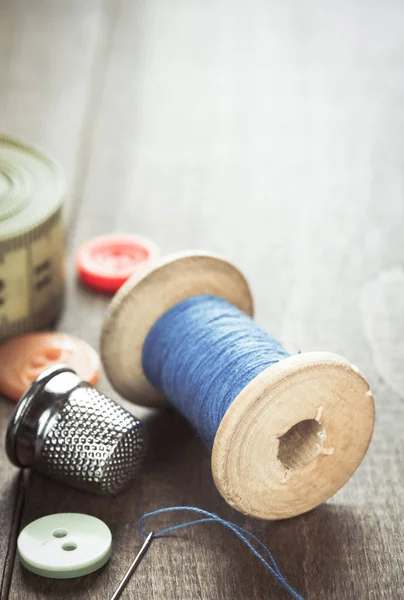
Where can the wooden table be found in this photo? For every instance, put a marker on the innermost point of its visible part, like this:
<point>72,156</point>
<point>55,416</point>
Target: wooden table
<point>272,133</point>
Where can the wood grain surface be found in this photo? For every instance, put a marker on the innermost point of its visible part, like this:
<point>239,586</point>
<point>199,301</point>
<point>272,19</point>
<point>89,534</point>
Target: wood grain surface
<point>272,133</point>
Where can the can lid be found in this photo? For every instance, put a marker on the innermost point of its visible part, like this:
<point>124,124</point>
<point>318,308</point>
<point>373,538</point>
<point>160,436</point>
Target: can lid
<point>105,262</point>
<point>32,187</point>
<point>65,545</point>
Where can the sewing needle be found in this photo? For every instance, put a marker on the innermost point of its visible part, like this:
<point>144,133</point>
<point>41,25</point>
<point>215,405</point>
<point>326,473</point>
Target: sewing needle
<point>133,566</point>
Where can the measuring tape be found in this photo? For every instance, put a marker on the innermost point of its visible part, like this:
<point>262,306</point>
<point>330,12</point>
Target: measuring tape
<point>32,190</point>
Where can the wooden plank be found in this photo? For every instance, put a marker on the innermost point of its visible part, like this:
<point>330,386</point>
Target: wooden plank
<point>271,134</point>
<point>10,505</point>
<point>52,53</point>
<point>48,53</point>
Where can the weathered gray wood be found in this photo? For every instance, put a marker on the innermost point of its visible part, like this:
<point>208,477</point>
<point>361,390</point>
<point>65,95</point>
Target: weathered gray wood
<point>51,70</point>
<point>10,505</point>
<point>272,133</point>
<point>49,55</point>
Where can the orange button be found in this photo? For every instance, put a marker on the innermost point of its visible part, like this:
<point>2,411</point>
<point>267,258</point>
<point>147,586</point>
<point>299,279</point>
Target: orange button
<point>107,261</point>
<point>23,358</point>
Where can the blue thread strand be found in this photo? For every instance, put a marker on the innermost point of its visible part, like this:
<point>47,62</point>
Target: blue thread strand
<point>240,532</point>
<point>201,354</point>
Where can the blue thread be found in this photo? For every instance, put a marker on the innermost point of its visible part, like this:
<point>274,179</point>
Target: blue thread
<point>241,533</point>
<point>201,354</point>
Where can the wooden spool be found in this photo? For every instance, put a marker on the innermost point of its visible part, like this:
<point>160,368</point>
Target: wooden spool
<point>292,437</point>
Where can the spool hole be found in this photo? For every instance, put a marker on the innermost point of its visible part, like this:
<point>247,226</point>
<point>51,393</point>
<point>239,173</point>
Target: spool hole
<point>69,546</point>
<point>301,444</point>
<point>59,533</point>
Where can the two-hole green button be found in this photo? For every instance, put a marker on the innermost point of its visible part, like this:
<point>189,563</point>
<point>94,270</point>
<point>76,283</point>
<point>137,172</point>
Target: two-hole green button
<point>66,545</point>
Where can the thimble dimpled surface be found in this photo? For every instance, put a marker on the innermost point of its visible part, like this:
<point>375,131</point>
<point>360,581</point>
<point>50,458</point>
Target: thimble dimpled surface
<point>94,444</point>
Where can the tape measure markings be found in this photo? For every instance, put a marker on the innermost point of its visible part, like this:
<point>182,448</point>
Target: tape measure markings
<point>32,239</point>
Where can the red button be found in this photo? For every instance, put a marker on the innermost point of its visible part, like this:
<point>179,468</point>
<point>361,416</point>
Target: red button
<point>107,261</point>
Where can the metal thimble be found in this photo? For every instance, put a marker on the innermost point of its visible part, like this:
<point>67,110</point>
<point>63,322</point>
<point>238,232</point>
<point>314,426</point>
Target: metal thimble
<point>64,428</point>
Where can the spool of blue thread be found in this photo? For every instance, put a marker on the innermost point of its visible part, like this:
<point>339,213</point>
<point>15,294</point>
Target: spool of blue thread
<point>286,432</point>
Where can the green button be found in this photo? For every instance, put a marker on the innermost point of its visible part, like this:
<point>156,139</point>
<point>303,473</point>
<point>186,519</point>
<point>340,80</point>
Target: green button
<point>65,545</point>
